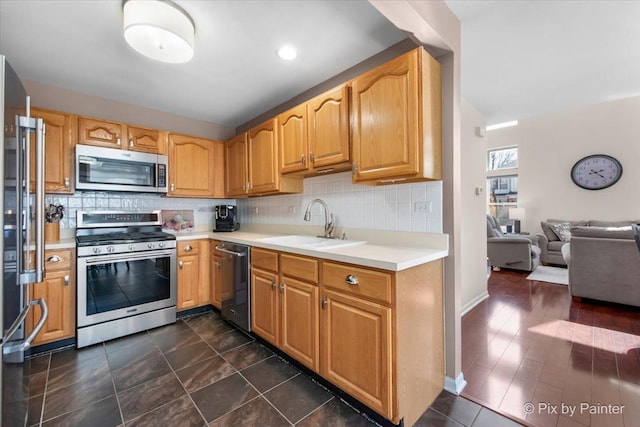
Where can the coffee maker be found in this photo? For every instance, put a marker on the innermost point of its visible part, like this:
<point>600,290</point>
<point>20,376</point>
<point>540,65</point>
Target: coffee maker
<point>226,219</point>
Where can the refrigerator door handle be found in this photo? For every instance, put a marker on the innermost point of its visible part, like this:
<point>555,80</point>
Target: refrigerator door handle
<point>40,147</point>
<point>21,346</point>
<point>17,323</point>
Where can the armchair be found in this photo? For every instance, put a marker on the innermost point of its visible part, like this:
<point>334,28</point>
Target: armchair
<point>514,252</point>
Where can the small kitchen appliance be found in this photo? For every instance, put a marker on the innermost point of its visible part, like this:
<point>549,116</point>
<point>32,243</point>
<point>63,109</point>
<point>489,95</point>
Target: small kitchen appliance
<point>226,218</point>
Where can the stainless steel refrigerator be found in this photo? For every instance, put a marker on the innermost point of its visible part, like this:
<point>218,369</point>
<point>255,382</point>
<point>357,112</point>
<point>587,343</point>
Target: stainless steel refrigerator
<point>22,241</point>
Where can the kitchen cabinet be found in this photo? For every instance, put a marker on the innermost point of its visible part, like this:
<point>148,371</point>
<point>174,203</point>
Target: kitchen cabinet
<point>194,288</point>
<point>263,171</point>
<point>284,294</point>
<point>314,137</point>
<point>101,133</point>
<point>58,290</point>
<point>61,131</point>
<point>397,121</point>
<point>146,140</point>
<point>195,167</point>
<point>216,275</point>
<point>236,157</point>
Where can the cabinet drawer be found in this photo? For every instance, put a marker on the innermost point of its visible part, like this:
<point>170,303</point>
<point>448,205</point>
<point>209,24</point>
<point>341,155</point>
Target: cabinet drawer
<point>299,267</point>
<point>371,284</point>
<point>188,247</point>
<point>57,260</point>
<point>263,258</point>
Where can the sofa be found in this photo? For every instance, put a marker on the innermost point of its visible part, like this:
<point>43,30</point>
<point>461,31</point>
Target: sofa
<point>511,251</point>
<point>604,264</point>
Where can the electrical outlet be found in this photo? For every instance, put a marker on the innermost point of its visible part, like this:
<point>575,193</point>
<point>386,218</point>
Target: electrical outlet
<point>254,210</point>
<point>423,207</point>
<point>291,209</point>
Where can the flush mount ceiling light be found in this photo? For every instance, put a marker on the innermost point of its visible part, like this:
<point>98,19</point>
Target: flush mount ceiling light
<point>288,53</point>
<point>159,29</point>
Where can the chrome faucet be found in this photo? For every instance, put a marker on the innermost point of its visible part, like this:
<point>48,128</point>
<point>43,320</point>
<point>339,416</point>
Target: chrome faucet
<point>328,218</point>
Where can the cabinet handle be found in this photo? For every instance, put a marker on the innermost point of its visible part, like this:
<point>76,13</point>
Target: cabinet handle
<point>302,160</point>
<point>217,264</point>
<point>351,280</point>
<point>312,158</point>
<point>173,187</point>
<point>273,285</point>
<point>282,288</point>
<point>188,248</point>
<point>354,168</point>
<point>54,258</point>
<point>324,302</point>
<point>131,142</point>
<point>66,181</point>
<point>66,280</point>
<point>180,264</point>
<point>118,141</point>
<point>249,186</point>
<point>244,186</point>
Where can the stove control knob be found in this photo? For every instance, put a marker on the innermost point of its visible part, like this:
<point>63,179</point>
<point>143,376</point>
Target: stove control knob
<point>110,249</point>
<point>162,244</point>
<point>97,250</point>
<point>150,245</point>
<point>132,246</point>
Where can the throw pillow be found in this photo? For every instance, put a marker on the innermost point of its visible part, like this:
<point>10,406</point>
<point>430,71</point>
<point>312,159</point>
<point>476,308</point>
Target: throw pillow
<point>548,231</point>
<point>562,230</point>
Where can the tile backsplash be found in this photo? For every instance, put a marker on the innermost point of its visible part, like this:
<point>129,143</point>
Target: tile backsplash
<point>103,201</point>
<point>403,207</point>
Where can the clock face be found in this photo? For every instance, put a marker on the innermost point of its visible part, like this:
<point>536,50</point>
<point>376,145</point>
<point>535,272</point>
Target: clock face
<point>596,172</point>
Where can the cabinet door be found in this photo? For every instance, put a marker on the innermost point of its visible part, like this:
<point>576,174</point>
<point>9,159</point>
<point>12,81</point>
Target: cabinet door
<point>356,349</point>
<point>300,321</point>
<point>146,140</point>
<point>188,282</point>
<point>264,308</point>
<point>235,160</point>
<point>61,133</point>
<point>195,167</point>
<point>58,290</point>
<point>263,159</point>
<point>204,274</point>
<point>385,123</point>
<point>216,276</point>
<point>292,140</point>
<point>100,133</point>
<point>328,118</point>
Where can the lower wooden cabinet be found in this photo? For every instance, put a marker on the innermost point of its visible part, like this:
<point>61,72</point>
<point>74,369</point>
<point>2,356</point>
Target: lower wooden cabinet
<point>59,291</point>
<point>299,312</point>
<point>194,289</point>
<point>216,275</point>
<point>265,311</point>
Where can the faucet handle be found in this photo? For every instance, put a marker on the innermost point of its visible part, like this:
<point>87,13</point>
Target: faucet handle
<point>328,229</point>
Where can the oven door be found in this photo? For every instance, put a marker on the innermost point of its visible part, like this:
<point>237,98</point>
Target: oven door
<point>116,286</point>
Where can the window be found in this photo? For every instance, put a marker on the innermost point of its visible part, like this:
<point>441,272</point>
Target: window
<point>502,182</point>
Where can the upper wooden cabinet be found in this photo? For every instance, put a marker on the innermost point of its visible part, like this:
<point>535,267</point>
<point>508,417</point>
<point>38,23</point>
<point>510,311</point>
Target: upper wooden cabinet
<point>101,133</point>
<point>195,167</point>
<point>61,132</point>
<point>314,137</point>
<point>146,140</point>
<point>235,171</point>
<point>397,121</point>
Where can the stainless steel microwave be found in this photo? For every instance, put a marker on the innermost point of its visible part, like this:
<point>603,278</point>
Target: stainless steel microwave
<point>108,169</point>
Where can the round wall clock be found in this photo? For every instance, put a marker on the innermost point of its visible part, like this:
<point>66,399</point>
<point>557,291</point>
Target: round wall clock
<point>596,172</point>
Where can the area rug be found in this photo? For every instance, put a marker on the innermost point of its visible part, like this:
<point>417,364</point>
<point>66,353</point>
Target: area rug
<point>550,274</point>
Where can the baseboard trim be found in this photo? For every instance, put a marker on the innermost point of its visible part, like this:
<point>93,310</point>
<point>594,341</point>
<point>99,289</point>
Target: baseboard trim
<point>456,385</point>
<point>471,304</point>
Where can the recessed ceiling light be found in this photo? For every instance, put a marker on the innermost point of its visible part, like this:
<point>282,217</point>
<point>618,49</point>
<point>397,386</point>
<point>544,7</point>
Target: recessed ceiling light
<point>287,52</point>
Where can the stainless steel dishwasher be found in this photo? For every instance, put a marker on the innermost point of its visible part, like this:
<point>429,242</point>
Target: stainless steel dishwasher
<point>236,291</point>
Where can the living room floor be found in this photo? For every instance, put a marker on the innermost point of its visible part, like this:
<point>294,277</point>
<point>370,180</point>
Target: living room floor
<point>530,343</point>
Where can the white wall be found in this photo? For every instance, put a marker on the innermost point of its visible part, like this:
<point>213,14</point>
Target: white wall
<point>473,256</point>
<point>390,207</point>
<point>548,146</point>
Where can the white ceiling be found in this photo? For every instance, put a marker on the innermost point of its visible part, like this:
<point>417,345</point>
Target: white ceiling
<point>527,58</point>
<point>235,74</point>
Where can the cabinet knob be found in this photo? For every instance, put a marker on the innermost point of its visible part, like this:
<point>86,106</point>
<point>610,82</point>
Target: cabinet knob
<point>244,186</point>
<point>54,258</point>
<point>273,285</point>
<point>302,160</point>
<point>218,264</point>
<point>180,264</point>
<point>324,302</point>
<point>118,141</point>
<point>131,142</point>
<point>66,280</point>
<point>351,280</point>
<point>188,248</point>
<point>281,288</point>
<point>173,187</point>
<point>66,181</point>
<point>354,168</point>
<point>312,158</point>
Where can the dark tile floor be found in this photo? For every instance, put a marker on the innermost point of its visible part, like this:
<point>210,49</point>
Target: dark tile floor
<point>200,371</point>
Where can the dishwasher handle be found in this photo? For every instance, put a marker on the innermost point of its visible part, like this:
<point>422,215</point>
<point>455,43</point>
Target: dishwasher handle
<point>227,251</point>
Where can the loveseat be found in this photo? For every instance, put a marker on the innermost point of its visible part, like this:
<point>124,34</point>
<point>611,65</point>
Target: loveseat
<point>604,264</point>
<point>511,251</point>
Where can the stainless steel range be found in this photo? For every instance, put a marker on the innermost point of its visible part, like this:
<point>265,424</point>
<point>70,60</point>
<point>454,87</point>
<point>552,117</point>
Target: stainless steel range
<point>126,274</point>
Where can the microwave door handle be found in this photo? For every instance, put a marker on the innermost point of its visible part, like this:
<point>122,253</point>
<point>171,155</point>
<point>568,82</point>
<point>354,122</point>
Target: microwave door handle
<point>25,344</point>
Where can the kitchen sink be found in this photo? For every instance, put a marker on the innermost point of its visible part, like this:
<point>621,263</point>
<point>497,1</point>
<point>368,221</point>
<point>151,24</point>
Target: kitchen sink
<point>311,242</point>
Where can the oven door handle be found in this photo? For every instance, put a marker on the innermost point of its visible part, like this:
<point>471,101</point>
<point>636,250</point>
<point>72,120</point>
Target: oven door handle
<point>227,251</point>
<point>127,257</point>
